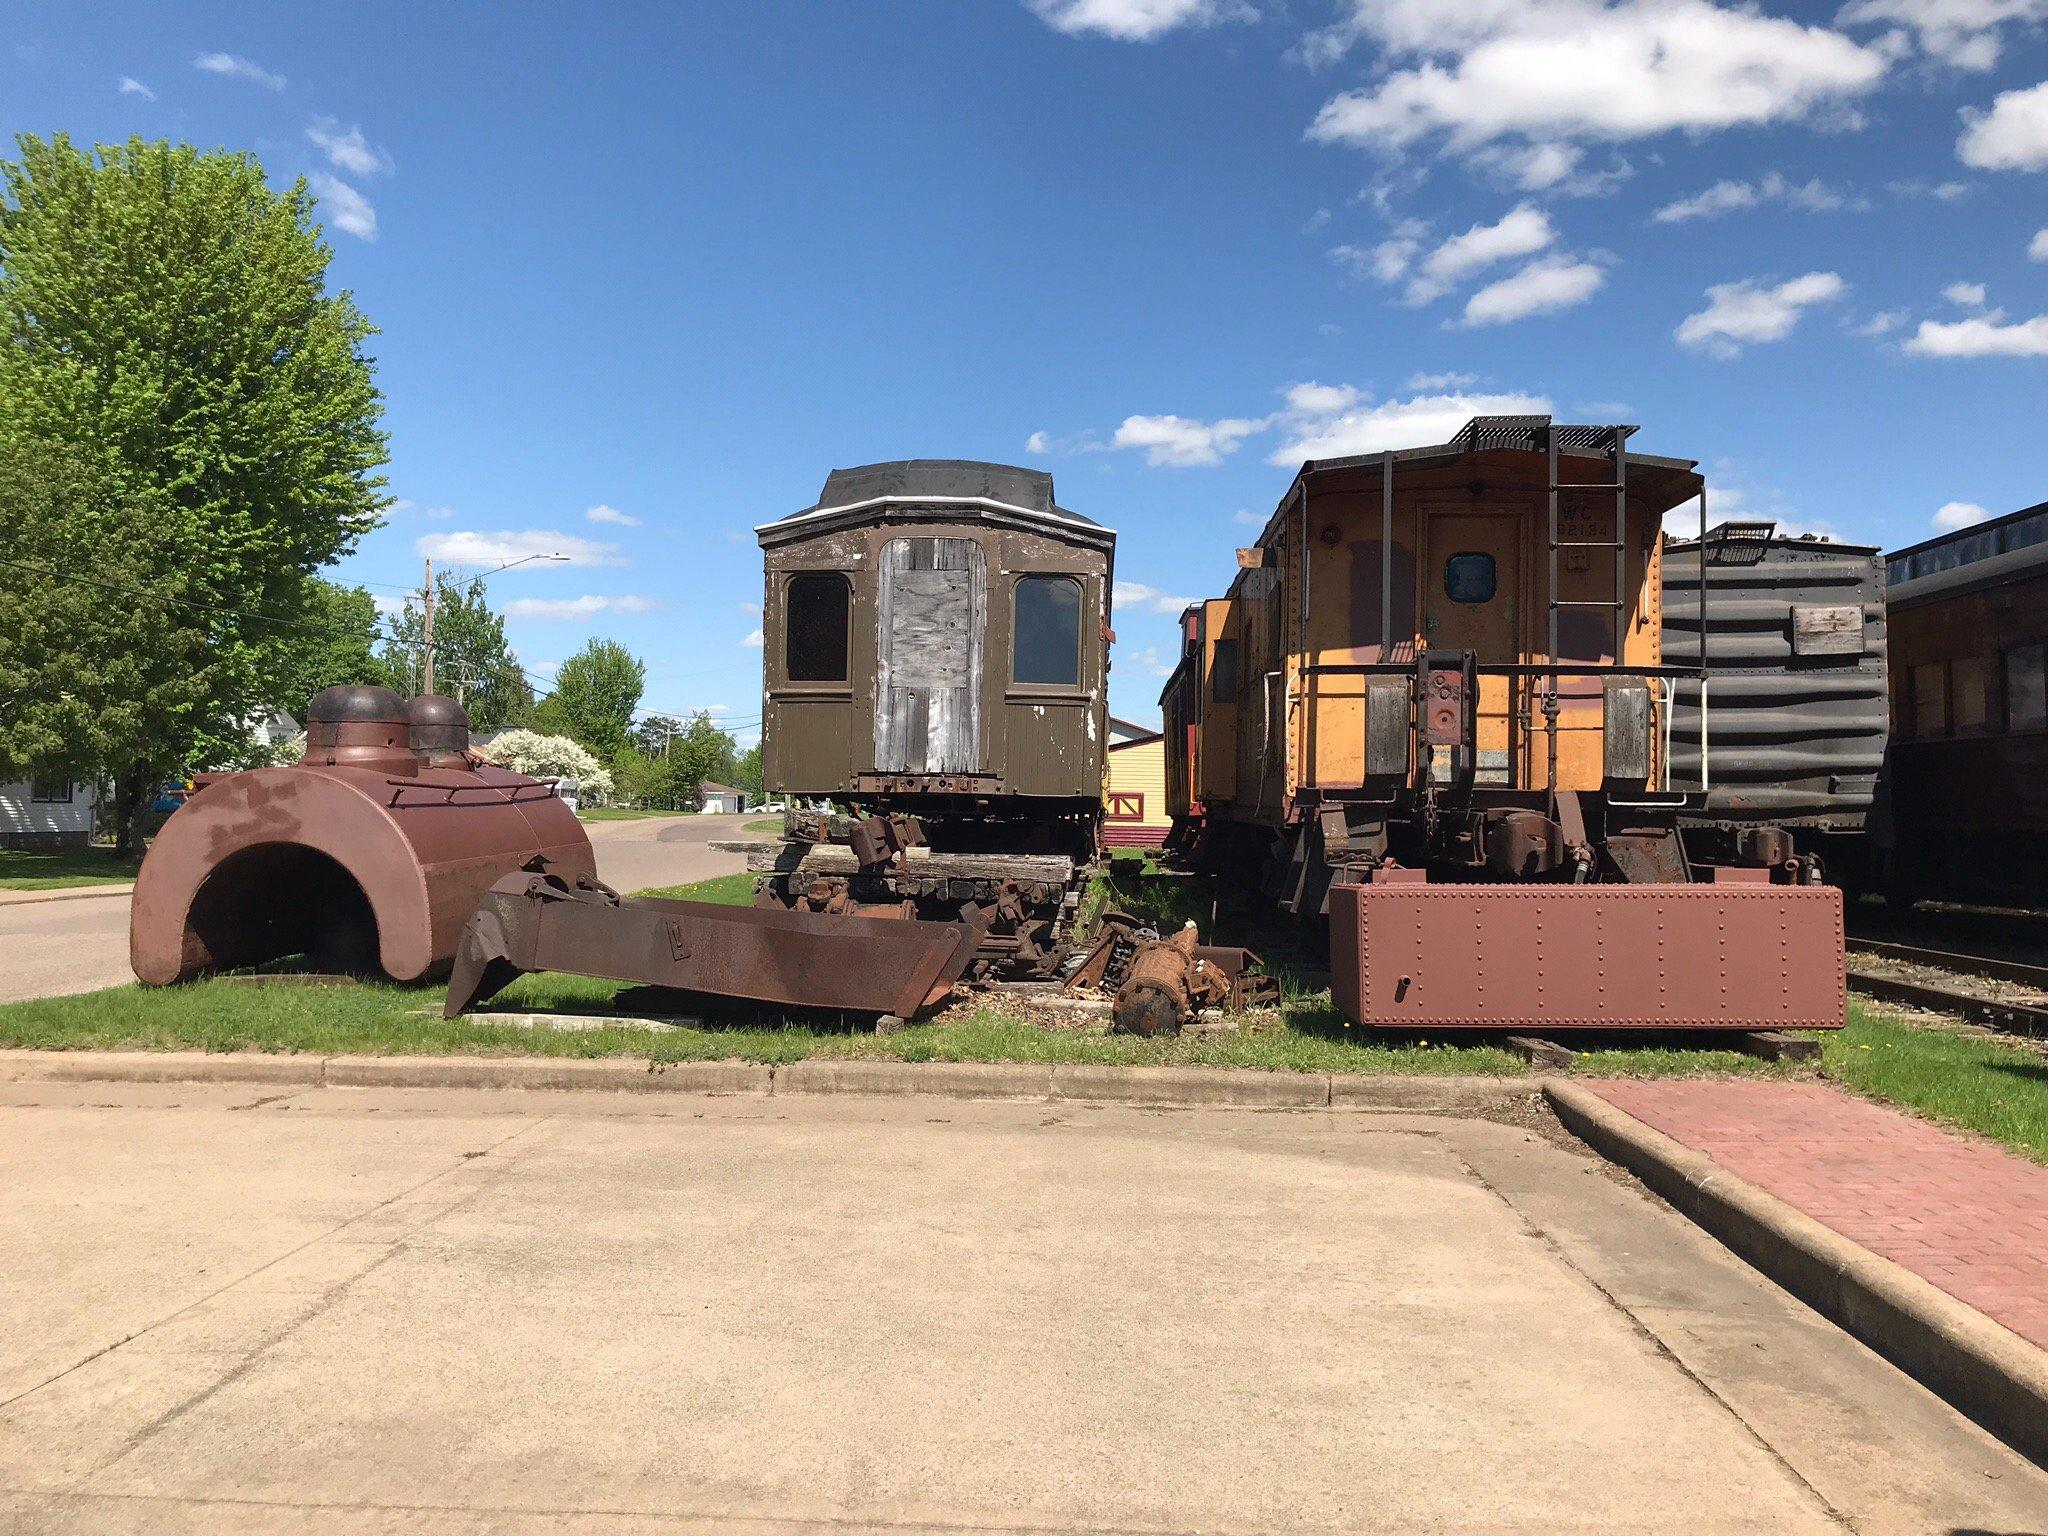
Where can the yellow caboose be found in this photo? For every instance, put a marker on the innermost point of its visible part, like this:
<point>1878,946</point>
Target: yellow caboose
<point>1439,670</point>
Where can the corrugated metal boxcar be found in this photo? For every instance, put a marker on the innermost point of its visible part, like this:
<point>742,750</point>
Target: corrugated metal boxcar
<point>1963,806</point>
<point>1795,649</point>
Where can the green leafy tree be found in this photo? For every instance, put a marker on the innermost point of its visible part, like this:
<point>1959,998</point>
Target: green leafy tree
<point>596,692</point>
<point>471,659</point>
<point>337,645</point>
<point>746,771</point>
<point>167,332</point>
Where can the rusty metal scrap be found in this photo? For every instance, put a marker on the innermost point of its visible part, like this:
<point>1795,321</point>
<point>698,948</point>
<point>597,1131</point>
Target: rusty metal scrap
<point>539,920</point>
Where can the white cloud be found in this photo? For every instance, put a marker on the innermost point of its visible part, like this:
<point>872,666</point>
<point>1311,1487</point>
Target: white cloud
<point>604,514</point>
<point>585,607</point>
<point>2012,136</point>
<point>1038,442</point>
<point>471,548</point>
<point>1945,191</point>
<point>130,86</point>
<point>2037,248</point>
<point>1135,594</point>
<point>1387,261</point>
<point>1814,196</point>
<point>1883,323</point>
<point>1407,423</point>
<point>240,68</point>
<point>1248,518</point>
<point>753,639</point>
<point>1137,21</point>
<point>1521,231</point>
<point>1554,168</point>
<point>1951,515</point>
<point>1432,382</point>
<point>1151,661</point>
<point>1542,287</point>
<point>1320,397</point>
<point>1182,442</point>
<point>1968,295</point>
<point>390,607</point>
<point>347,151</point>
<point>1986,335</point>
<point>1960,33</point>
<point>1549,71</point>
<point>1749,312</point>
<point>346,208</point>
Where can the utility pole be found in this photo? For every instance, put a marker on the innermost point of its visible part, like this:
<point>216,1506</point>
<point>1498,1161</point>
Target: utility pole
<point>427,632</point>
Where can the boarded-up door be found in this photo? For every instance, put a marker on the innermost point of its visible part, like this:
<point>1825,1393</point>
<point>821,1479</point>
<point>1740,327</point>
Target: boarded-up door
<point>932,608</point>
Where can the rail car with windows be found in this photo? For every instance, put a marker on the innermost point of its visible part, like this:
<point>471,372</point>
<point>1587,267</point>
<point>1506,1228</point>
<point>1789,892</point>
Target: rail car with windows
<point>1963,804</point>
<point>1433,705</point>
<point>935,655</point>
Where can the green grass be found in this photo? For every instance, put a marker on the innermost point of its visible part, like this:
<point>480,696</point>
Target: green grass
<point>620,813</point>
<point>1966,1080</point>
<point>33,869</point>
<point>772,824</point>
<point>727,890</point>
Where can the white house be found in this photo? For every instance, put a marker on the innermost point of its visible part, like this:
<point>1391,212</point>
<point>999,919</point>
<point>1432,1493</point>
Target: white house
<point>44,813</point>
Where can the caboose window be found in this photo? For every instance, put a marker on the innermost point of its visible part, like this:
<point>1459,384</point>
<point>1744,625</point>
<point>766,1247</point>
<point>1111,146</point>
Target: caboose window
<point>1223,673</point>
<point>1046,647</point>
<point>814,627</point>
<point>1469,578</point>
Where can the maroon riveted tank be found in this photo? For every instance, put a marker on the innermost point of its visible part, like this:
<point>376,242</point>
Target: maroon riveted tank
<point>368,854</point>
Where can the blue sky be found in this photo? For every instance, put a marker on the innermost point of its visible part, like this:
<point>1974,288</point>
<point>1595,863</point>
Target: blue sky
<point>674,263</point>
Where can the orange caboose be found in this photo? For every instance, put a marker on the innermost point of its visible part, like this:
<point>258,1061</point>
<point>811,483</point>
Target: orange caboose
<point>1439,669</point>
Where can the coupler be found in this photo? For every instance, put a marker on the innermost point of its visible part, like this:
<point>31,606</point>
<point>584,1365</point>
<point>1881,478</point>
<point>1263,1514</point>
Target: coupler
<point>1538,958</point>
<point>540,921</point>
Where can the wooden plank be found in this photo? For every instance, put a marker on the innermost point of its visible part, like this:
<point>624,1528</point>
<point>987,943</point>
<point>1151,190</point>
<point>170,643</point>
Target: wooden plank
<point>837,859</point>
<point>1827,631</point>
<point>932,608</point>
<point>1775,1045</point>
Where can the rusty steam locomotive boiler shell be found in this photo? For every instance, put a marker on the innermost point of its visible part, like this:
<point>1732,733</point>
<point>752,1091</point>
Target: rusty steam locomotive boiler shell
<point>369,853</point>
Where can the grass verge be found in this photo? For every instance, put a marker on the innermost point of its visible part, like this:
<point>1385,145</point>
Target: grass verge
<point>621,813</point>
<point>772,825</point>
<point>40,869</point>
<point>1972,1081</point>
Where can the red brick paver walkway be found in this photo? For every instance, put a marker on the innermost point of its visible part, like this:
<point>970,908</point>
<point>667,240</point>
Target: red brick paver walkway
<point>1971,1218</point>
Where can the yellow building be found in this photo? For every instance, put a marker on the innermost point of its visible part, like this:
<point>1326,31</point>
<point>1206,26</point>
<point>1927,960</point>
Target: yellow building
<point>1137,787</point>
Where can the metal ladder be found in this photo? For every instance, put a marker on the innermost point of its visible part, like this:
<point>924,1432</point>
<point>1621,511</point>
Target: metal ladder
<point>1612,442</point>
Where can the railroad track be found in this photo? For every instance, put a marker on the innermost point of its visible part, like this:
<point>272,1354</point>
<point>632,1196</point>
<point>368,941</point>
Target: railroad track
<point>2014,1017</point>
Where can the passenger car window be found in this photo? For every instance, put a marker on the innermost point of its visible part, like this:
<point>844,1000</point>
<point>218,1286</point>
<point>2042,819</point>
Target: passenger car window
<point>2026,689</point>
<point>1469,578</point>
<point>1046,644</point>
<point>1223,673</point>
<point>814,627</point>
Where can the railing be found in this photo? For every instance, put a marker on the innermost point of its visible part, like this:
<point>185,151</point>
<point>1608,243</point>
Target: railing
<point>1552,673</point>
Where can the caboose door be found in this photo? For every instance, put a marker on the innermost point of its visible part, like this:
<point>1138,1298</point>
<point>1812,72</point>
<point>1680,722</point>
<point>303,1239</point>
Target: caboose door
<point>1471,597</point>
<point>932,605</point>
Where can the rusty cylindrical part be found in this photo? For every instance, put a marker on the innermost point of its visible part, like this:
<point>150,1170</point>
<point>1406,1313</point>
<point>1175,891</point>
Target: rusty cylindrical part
<point>1166,981</point>
<point>369,853</point>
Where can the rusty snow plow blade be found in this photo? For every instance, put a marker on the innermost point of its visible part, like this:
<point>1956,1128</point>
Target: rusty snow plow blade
<point>1570,957</point>
<point>542,922</point>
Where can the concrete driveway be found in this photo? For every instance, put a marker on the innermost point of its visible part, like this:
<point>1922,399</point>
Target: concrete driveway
<point>80,944</point>
<point>230,1309</point>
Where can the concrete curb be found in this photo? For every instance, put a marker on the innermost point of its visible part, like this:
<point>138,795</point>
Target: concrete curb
<point>65,893</point>
<point>1158,1087</point>
<point>1983,1369</point>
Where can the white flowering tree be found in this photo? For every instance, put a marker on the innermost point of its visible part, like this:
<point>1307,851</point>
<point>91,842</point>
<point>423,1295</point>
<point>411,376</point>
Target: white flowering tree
<point>549,757</point>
